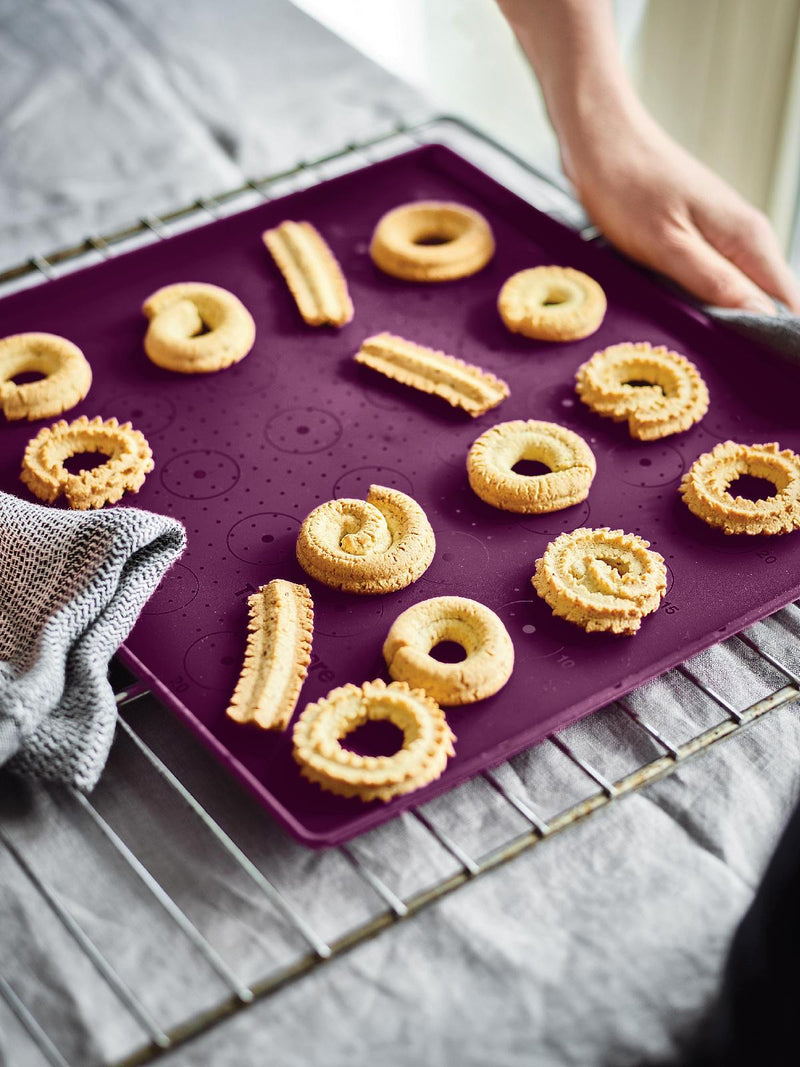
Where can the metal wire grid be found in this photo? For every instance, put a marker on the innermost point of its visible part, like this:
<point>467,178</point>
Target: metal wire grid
<point>393,907</point>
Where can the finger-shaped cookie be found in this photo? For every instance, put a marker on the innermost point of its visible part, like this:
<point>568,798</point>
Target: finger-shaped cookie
<point>66,375</point>
<point>277,655</point>
<point>669,397</point>
<point>377,545</point>
<point>320,730</point>
<point>601,579</point>
<point>706,487</point>
<point>312,273</point>
<point>489,652</point>
<point>492,457</point>
<point>461,384</point>
<point>196,328</point>
<point>129,461</point>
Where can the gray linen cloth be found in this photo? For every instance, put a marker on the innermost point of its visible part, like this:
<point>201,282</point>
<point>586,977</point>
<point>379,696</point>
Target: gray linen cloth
<point>71,587</point>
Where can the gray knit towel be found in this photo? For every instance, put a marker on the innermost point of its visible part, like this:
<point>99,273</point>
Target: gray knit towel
<point>780,332</point>
<point>72,585</point>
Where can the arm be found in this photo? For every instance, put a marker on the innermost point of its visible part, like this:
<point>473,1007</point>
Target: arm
<point>653,200</point>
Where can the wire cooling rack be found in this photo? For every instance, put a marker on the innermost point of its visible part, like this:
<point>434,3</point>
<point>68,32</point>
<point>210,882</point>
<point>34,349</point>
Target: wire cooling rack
<point>531,828</point>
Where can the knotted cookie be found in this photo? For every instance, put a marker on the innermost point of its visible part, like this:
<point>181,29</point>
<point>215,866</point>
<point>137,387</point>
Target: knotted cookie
<point>377,545</point>
<point>196,328</point>
<point>277,655</point>
<point>427,741</point>
<point>601,579</point>
<point>66,379</point>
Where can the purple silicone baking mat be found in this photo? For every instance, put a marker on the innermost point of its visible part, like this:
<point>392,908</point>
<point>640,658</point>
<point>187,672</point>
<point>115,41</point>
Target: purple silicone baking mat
<point>242,456</point>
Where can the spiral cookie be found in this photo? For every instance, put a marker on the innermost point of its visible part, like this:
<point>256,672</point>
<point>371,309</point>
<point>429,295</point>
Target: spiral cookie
<point>66,381</point>
<point>674,399</point>
<point>552,304</point>
<point>492,457</point>
<point>129,461</point>
<point>461,384</point>
<point>705,489</point>
<point>377,545</point>
<point>312,273</point>
<point>601,579</point>
<point>490,653</point>
<point>431,241</point>
<point>427,741</point>
<point>196,328</point>
<point>277,656</point>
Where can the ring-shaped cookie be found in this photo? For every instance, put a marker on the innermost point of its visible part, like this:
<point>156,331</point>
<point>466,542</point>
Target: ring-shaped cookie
<point>377,545</point>
<point>492,457</point>
<point>431,241</point>
<point>705,488</point>
<point>196,328</point>
<point>129,461</point>
<point>489,651</point>
<point>427,741</point>
<point>552,304</point>
<point>601,579</point>
<point>675,398</point>
<point>66,379</point>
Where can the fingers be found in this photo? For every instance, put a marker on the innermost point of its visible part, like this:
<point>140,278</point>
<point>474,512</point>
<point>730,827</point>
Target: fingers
<point>746,238</point>
<point>684,255</point>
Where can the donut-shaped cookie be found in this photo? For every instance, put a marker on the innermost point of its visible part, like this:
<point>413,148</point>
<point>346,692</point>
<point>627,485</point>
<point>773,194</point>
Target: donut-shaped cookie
<point>492,457</point>
<point>552,304</point>
<point>705,489</point>
<point>377,545</point>
<point>312,273</point>
<point>601,579</point>
<point>129,461</point>
<point>66,381</point>
<point>196,328</point>
<point>489,651</point>
<point>675,398</point>
<point>277,656</point>
<point>427,741</point>
<point>431,241</point>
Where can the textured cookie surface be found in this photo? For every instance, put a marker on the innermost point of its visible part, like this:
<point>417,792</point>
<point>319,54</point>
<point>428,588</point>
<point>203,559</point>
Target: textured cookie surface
<point>66,375</point>
<point>460,384</point>
<point>492,457</point>
<point>129,461</point>
<point>312,273</point>
<point>670,395</point>
<point>601,579</point>
<point>432,241</point>
<point>320,730</point>
<point>277,655</point>
<point>196,328</point>
<point>552,304</point>
<point>377,545</point>
<point>489,651</point>
<point>706,488</point>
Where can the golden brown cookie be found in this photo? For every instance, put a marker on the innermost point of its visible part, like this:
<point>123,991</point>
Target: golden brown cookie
<point>675,398</point>
<point>129,461</point>
<point>460,384</point>
<point>706,489</point>
<point>491,460</point>
<point>431,241</point>
<point>427,741</point>
<point>277,655</point>
<point>377,545</point>
<point>312,273</point>
<point>66,381</point>
<point>601,579</point>
<point>196,328</point>
<point>552,304</point>
<point>489,652</point>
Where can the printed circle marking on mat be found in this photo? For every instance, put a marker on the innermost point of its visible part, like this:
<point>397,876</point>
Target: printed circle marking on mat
<point>303,430</point>
<point>263,538</point>
<point>338,616</point>
<point>177,590</point>
<point>453,444</point>
<point>151,414</point>
<point>557,522</point>
<point>356,483</point>
<point>518,616</point>
<point>458,555</point>
<point>200,474</point>
<point>655,465</point>
<point>210,662</point>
